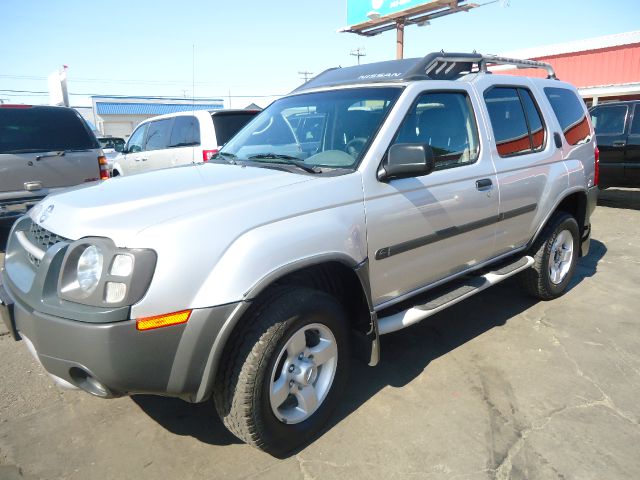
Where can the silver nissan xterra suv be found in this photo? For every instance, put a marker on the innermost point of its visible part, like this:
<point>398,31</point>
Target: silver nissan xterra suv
<point>365,201</point>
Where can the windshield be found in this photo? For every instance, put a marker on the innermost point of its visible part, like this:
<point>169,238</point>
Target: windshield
<point>111,142</point>
<point>325,129</point>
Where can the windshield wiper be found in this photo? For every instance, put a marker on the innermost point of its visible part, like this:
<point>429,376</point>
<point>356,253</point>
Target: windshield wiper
<point>288,160</point>
<point>226,156</point>
<point>61,153</point>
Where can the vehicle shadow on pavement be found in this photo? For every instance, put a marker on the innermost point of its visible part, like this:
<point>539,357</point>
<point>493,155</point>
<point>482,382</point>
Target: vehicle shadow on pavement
<point>620,198</point>
<point>405,355</point>
<point>198,420</point>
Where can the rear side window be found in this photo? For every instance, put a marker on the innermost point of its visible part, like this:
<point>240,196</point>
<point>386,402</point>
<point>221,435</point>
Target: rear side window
<point>158,134</point>
<point>43,129</point>
<point>570,112</point>
<point>445,122</point>
<point>515,119</point>
<point>227,125</point>
<point>609,120</point>
<point>185,132</point>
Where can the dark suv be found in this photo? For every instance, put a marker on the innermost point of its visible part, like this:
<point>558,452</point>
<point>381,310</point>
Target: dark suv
<point>43,149</point>
<point>617,127</point>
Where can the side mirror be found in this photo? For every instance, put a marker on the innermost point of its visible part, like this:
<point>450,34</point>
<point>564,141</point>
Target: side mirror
<point>406,160</point>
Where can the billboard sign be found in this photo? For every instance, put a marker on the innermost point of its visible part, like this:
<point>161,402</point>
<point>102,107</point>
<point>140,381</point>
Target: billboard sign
<point>359,11</point>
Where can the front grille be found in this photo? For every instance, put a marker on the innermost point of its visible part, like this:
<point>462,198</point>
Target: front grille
<point>43,239</point>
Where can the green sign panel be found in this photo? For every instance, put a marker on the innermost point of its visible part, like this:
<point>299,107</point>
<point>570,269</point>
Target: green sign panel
<point>359,11</point>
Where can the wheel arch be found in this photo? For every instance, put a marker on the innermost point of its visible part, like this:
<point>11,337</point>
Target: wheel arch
<point>337,275</point>
<point>574,202</point>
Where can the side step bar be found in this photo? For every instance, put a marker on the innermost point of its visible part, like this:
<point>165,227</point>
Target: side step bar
<point>459,292</point>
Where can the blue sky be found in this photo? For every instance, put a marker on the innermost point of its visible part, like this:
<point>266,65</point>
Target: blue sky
<point>251,48</point>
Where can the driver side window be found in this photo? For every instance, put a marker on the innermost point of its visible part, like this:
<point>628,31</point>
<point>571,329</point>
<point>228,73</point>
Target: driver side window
<point>445,122</point>
<point>136,141</point>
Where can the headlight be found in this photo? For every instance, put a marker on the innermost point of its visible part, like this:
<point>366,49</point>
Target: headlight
<point>95,272</point>
<point>89,269</point>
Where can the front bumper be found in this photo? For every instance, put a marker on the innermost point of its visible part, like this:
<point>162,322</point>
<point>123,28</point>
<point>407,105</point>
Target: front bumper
<point>113,359</point>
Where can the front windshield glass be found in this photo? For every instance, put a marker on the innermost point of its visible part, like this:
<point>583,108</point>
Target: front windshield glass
<point>324,129</point>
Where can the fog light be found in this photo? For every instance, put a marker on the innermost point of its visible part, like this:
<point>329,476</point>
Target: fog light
<point>163,320</point>
<point>115,292</point>
<point>122,265</point>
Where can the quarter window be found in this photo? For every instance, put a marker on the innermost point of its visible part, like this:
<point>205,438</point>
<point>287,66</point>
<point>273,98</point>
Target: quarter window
<point>445,122</point>
<point>158,134</point>
<point>609,120</point>
<point>515,119</point>
<point>571,115</point>
<point>185,131</point>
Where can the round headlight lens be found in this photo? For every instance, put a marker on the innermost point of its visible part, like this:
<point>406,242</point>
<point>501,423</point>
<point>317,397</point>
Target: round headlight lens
<point>89,268</point>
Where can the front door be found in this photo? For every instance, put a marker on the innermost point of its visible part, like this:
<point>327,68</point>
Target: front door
<point>421,230</point>
<point>131,160</point>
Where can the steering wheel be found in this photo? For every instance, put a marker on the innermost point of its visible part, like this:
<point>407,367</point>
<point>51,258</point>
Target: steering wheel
<point>355,146</point>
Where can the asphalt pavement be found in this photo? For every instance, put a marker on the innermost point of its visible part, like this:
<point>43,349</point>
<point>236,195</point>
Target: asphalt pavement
<point>499,386</point>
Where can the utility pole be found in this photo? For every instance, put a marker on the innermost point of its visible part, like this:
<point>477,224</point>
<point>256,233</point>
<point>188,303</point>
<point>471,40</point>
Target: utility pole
<point>358,52</point>
<point>306,75</point>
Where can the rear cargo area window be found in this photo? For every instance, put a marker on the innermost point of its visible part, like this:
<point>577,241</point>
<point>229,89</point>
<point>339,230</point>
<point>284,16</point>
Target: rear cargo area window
<point>227,125</point>
<point>571,114</point>
<point>43,129</point>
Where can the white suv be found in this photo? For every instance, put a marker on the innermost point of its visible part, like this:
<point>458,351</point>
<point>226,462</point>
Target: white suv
<point>178,139</point>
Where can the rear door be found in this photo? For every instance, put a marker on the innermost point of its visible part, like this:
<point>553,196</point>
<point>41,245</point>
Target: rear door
<point>632,163</point>
<point>610,123</point>
<point>185,138</point>
<point>43,148</point>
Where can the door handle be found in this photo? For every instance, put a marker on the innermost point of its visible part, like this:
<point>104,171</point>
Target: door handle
<point>31,186</point>
<point>143,159</point>
<point>484,184</point>
<point>619,143</point>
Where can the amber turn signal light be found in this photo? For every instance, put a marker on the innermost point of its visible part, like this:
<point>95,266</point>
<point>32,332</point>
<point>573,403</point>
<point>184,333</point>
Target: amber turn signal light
<point>166,320</point>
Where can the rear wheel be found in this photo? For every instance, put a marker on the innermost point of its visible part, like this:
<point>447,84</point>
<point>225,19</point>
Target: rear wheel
<point>285,370</point>
<point>555,256</point>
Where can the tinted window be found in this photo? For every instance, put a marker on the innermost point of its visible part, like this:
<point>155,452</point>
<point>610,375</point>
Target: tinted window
<point>609,120</point>
<point>185,132</point>
<point>228,124</point>
<point>635,125</point>
<point>570,112</point>
<point>136,141</point>
<point>158,134</point>
<point>536,127</point>
<point>508,121</point>
<point>43,129</point>
<point>445,122</point>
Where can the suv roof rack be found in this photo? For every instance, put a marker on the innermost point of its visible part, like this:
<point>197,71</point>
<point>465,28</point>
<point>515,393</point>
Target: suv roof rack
<point>434,66</point>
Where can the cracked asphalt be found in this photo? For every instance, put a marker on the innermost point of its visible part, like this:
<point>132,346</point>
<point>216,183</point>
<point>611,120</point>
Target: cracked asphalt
<point>499,386</point>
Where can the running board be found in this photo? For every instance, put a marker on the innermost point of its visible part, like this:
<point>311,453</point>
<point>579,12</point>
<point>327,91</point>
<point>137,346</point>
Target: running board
<point>461,290</point>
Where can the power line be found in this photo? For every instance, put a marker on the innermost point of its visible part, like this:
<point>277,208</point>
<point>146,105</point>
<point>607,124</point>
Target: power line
<point>45,93</point>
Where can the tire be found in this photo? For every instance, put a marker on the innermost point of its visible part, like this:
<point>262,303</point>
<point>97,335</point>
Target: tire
<point>543,280</point>
<point>263,354</point>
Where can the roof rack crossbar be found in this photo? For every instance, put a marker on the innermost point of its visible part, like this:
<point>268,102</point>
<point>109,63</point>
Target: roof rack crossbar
<point>496,60</point>
<point>444,66</point>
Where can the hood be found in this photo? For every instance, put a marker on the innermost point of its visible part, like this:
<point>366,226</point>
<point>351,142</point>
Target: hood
<point>121,207</point>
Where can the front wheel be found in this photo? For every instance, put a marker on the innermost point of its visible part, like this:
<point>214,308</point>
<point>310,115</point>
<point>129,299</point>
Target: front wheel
<point>284,370</point>
<point>555,255</point>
